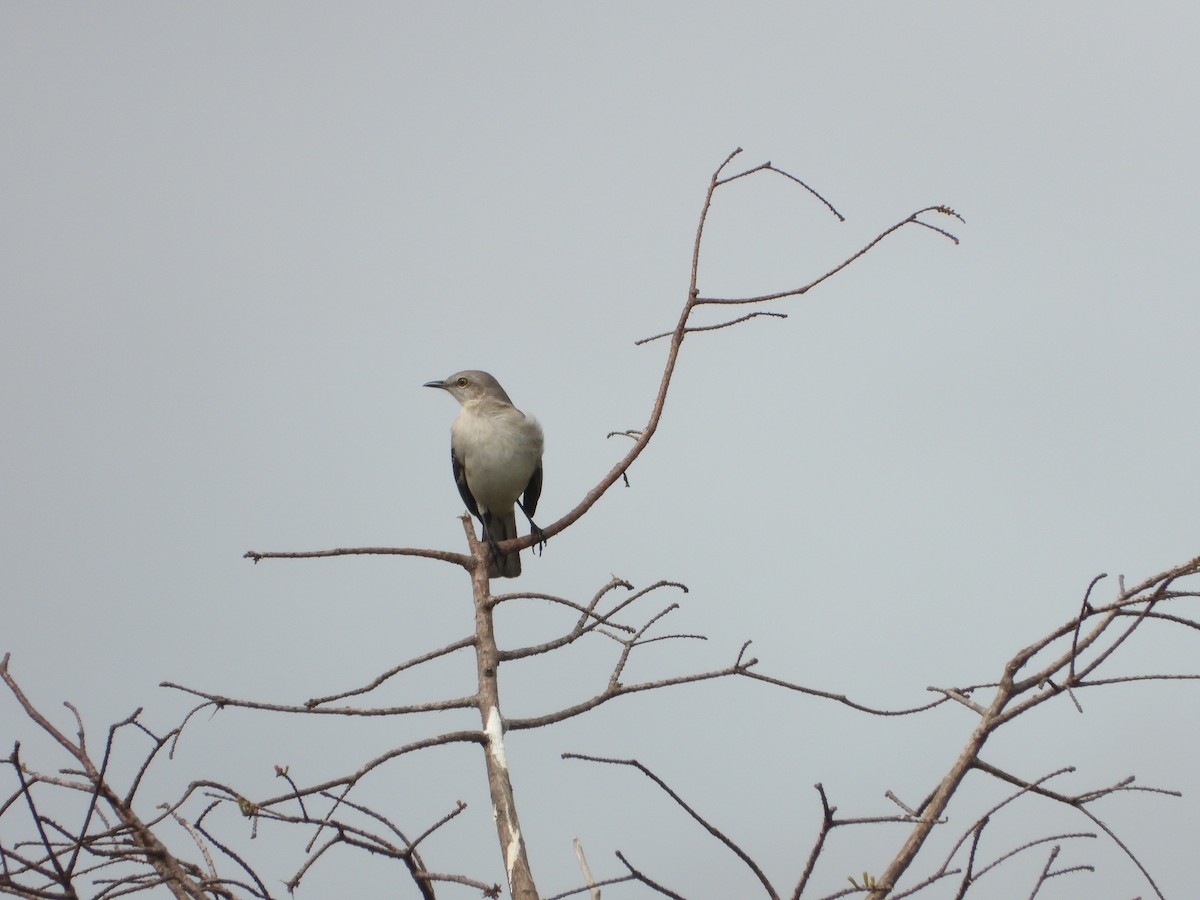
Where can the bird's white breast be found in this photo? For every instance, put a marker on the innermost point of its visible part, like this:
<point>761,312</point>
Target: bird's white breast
<point>500,448</point>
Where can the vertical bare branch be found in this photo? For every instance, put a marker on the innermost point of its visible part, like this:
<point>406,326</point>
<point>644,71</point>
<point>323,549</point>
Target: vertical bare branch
<point>487,661</point>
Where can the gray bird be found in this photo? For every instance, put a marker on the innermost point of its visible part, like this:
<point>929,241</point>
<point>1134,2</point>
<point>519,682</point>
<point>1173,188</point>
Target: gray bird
<point>496,452</point>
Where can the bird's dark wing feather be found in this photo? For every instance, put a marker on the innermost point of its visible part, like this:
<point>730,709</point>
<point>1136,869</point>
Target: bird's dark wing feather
<point>533,491</point>
<point>460,479</point>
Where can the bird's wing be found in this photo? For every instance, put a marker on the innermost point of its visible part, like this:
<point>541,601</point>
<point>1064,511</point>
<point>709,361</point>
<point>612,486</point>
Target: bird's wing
<point>533,491</point>
<point>460,479</point>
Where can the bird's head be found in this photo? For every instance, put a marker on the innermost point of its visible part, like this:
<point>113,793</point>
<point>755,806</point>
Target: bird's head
<point>471,387</point>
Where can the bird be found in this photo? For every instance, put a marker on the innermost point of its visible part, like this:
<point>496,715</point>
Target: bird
<point>496,455</point>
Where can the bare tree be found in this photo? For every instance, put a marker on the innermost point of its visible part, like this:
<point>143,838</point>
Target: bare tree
<point>111,850</point>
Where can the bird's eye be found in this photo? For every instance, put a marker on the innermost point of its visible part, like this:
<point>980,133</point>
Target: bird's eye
<point>462,382</point>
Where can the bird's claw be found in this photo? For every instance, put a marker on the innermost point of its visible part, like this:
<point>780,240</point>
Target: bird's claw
<point>540,544</point>
<point>493,547</point>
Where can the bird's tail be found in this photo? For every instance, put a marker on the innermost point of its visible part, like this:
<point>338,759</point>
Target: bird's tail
<point>503,528</point>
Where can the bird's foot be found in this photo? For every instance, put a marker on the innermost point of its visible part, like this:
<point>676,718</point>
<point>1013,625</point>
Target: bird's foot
<point>541,538</point>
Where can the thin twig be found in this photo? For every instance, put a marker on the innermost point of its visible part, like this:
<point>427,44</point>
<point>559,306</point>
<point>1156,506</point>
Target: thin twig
<point>708,826</point>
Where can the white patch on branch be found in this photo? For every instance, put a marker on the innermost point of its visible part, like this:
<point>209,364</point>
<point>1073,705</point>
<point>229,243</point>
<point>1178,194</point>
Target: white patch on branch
<point>495,733</point>
<point>513,854</point>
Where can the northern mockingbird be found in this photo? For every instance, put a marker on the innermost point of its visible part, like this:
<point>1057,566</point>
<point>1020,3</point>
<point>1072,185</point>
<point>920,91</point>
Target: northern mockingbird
<point>496,451</point>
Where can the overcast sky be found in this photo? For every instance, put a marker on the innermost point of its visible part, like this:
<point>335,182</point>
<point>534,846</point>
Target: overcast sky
<point>237,238</point>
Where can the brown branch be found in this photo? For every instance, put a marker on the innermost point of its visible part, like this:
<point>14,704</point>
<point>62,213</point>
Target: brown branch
<point>708,826</point>
<point>395,670</point>
<point>1083,614</point>
<point>968,874</point>
<point>693,328</point>
<point>487,890</point>
<point>1046,874</point>
<point>458,808</point>
<point>768,167</point>
<point>651,426</point>
<point>643,879</point>
<point>1164,617</point>
<point>1128,679</point>
<point>842,698</point>
<point>592,887</point>
<point>922,884</point>
<point>827,825</point>
<point>1111,648</point>
<point>221,701</point>
<point>241,863</point>
<point>373,843</point>
<point>589,620</point>
<point>59,875</point>
<point>1077,800</point>
<point>621,690</point>
<point>1003,858</point>
<point>313,856</point>
<point>612,585</point>
<point>804,289</point>
<point>198,840</point>
<point>450,737</point>
<point>634,641</point>
<point>459,559</point>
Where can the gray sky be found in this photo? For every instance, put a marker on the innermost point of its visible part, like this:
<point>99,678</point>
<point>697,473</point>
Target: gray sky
<point>239,237</point>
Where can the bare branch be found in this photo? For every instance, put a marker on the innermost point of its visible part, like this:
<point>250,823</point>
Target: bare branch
<point>458,559</point>
<point>619,690</point>
<point>693,328</point>
<point>827,825</point>
<point>1083,614</point>
<point>1036,842</point>
<point>395,670</point>
<point>592,888</point>
<point>1079,803</point>
<point>804,289</point>
<point>450,737</point>
<point>709,827</point>
<point>643,879</point>
<point>221,701</point>
<point>960,697</point>
<point>589,619</point>
<point>768,167</point>
<point>842,698</point>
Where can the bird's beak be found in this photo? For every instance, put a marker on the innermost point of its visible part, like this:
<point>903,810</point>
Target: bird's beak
<point>437,384</point>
